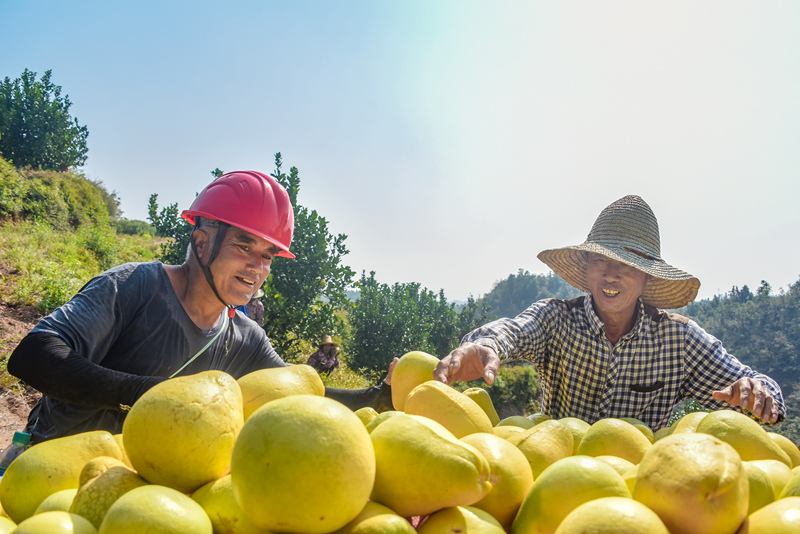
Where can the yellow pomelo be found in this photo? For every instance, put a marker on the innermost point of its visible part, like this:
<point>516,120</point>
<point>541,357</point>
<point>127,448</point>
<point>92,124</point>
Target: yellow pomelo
<point>465,519</point>
<point>381,417</point>
<point>6,525</point>
<point>56,522</point>
<point>788,447</point>
<point>792,487</point>
<point>376,518</point>
<point>517,420</point>
<point>264,385</point>
<point>537,418</point>
<point>543,444</point>
<point>663,432</point>
<point>778,472</point>
<point>561,488</point>
<point>762,492</point>
<point>303,464</point>
<point>219,504</point>
<point>181,432</point>
<point>612,515</point>
<point>449,407</point>
<point>507,431</point>
<point>412,369</point>
<point>616,438</point>
<point>620,465</point>
<point>155,509</point>
<point>59,501</point>
<point>745,435</point>
<point>97,466</point>
<point>641,427</point>
<point>121,443</point>
<point>688,423</point>
<point>577,427</point>
<point>629,476</point>
<point>511,476</point>
<point>422,467</point>
<point>366,414</point>
<point>695,482</point>
<point>49,467</point>
<point>779,517</point>
<point>96,496</point>
<point>482,398</point>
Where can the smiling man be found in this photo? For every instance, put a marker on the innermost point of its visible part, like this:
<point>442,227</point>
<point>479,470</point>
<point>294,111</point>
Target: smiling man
<point>138,324</point>
<point>616,352</point>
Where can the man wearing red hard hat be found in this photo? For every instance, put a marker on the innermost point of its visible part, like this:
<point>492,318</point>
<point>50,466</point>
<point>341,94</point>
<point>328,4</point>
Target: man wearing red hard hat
<point>138,324</point>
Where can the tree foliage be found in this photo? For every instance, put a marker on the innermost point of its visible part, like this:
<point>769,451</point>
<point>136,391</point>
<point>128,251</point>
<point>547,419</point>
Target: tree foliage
<point>168,222</point>
<point>509,297</point>
<point>36,129</point>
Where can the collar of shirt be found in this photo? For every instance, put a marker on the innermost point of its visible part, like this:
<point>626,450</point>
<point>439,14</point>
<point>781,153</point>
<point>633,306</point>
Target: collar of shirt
<point>598,328</point>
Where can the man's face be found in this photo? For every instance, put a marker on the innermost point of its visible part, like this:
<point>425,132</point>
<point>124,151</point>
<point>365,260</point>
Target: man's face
<point>241,265</point>
<point>614,286</point>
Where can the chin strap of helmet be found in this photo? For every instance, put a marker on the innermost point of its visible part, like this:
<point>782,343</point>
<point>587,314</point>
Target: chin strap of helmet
<point>222,229</point>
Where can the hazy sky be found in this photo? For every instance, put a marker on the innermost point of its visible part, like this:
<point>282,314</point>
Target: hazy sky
<point>451,141</point>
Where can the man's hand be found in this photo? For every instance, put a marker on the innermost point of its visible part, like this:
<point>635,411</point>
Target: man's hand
<point>752,395</point>
<point>468,362</point>
<point>388,379</point>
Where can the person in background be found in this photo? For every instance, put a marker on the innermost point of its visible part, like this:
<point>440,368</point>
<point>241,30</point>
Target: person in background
<point>617,352</point>
<point>139,324</point>
<point>255,308</point>
<point>326,359</point>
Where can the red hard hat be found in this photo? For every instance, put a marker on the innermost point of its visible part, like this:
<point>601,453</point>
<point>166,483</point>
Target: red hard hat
<point>251,201</point>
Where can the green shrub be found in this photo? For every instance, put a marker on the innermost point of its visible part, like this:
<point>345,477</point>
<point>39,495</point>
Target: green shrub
<point>12,191</point>
<point>101,241</point>
<point>128,227</point>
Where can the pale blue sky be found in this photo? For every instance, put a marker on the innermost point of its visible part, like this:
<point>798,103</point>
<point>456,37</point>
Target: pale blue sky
<point>450,140</point>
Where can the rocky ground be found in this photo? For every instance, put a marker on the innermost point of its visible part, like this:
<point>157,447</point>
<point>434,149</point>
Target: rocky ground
<point>17,400</point>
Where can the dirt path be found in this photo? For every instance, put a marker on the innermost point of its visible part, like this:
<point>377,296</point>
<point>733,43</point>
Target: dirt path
<point>15,401</point>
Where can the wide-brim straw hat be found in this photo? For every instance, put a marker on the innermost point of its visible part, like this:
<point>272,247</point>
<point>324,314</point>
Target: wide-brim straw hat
<point>627,231</point>
<point>327,340</point>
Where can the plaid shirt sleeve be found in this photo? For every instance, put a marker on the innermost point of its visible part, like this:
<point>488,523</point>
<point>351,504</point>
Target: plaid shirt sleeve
<point>711,368</point>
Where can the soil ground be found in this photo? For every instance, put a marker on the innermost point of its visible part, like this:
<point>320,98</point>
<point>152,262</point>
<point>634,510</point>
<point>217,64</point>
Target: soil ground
<point>17,400</point>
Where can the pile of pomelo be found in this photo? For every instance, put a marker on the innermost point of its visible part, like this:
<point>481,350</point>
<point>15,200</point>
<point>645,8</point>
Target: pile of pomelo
<point>269,453</point>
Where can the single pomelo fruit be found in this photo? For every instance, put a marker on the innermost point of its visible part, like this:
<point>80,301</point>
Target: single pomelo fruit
<point>49,467</point>
<point>96,496</point>
<point>120,441</point>
<point>6,525</point>
<point>97,466</point>
<point>181,432</point>
<point>777,472</point>
<point>762,492</point>
<point>366,414</point>
<point>220,506</point>
<point>620,465</point>
<point>663,432</point>
<point>516,420</point>
<point>614,437</point>
<point>779,517</point>
<point>381,417</point>
<point>629,476</point>
<point>788,447</point>
<point>642,427</point>
<point>412,369</point>
<point>303,464</point>
<point>56,522</point>
<point>577,427</point>
<point>792,487</point>
<point>376,518</point>
<point>59,501</point>
<point>422,467</point>
<point>561,488</point>
<point>449,407</point>
<point>465,519</point>
<point>507,431</point>
<point>544,444</point>
<point>612,515</point>
<point>695,482</point>
<point>260,387</point>
<point>511,476</point>
<point>745,435</point>
<point>155,509</point>
<point>482,398</point>
<point>537,418</point>
<point>688,423</point>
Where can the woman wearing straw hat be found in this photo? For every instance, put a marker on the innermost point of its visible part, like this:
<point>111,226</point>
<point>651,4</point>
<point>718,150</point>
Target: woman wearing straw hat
<point>616,352</point>
<point>326,359</point>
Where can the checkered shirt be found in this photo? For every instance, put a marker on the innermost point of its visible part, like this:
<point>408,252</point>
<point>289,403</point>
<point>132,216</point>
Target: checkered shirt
<point>664,359</point>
